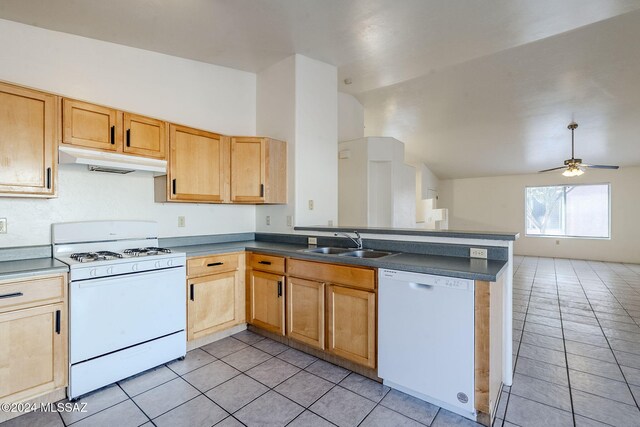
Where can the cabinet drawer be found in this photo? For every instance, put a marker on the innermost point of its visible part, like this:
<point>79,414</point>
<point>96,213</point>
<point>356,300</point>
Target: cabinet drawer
<point>269,263</point>
<point>212,264</point>
<point>363,278</point>
<point>31,292</point>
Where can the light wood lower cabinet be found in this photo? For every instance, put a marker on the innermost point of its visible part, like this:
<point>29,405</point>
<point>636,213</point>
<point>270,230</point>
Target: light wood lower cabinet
<point>266,305</point>
<point>305,311</point>
<point>32,356</point>
<point>33,336</point>
<point>351,324</point>
<point>215,294</point>
<point>214,304</point>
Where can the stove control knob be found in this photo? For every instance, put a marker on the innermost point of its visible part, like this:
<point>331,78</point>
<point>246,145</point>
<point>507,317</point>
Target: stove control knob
<point>134,267</point>
<point>158,264</point>
<point>170,262</point>
<point>110,270</point>
<point>93,272</point>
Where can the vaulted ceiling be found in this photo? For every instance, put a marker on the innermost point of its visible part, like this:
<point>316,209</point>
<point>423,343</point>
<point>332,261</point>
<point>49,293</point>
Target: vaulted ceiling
<point>473,88</point>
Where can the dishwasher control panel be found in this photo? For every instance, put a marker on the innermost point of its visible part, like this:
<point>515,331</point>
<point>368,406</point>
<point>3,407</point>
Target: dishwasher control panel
<point>426,279</point>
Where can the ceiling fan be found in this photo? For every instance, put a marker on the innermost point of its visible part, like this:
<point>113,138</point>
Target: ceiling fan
<point>573,166</point>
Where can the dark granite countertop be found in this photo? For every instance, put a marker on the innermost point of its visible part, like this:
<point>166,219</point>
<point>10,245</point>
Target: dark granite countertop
<point>31,267</point>
<point>460,234</point>
<point>464,268</point>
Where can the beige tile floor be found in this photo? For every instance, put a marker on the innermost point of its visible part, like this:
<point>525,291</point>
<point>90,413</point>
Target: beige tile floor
<point>577,362</point>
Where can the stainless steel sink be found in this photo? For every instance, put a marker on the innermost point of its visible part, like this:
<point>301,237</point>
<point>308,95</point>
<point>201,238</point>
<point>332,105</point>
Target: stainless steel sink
<point>365,254</point>
<point>328,250</point>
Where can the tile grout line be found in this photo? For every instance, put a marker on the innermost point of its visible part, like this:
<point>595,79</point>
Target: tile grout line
<point>564,343</point>
<point>513,373</point>
<point>610,348</point>
<point>614,296</point>
<point>134,402</point>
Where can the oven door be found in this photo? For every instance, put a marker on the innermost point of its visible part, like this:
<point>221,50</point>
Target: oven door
<point>110,314</point>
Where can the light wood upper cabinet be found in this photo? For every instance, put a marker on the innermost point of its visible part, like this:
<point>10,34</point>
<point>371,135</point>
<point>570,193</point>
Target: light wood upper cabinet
<point>107,129</point>
<point>305,311</point>
<point>197,170</point>
<point>258,170</point>
<point>267,301</point>
<point>91,126</point>
<point>144,136</point>
<point>351,324</point>
<point>28,126</point>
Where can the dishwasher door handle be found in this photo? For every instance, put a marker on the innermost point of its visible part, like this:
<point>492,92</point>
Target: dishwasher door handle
<point>420,286</point>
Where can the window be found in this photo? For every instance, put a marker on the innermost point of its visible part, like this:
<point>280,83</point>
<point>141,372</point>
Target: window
<point>568,211</point>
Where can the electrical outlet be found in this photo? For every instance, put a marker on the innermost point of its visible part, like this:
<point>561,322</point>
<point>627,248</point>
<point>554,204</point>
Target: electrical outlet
<point>330,223</point>
<point>310,205</point>
<point>289,221</point>
<point>181,221</point>
<point>268,219</point>
<point>478,253</point>
<point>3,225</point>
<point>312,240</point>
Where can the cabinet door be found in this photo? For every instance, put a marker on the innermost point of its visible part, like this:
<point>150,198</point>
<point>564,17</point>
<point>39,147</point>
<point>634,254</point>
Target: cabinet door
<point>215,302</point>
<point>91,126</point>
<point>27,141</point>
<point>352,324</point>
<point>144,136</point>
<point>248,169</point>
<point>305,311</point>
<point>267,301</point>
<point>40,334</point>
<point>196,165</point>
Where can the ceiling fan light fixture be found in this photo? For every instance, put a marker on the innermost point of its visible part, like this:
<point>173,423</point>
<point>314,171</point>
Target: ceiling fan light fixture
<point>572,170</point>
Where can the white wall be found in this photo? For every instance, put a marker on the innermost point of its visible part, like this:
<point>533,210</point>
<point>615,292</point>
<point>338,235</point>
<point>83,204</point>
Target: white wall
<point>350,117</point>
<point>297,99</point>
<point>353,185</point>
<point>316,142</point>
<point>427,184</point>
<point>376,187</point>
<point>179,90</point>
<point>497,203</point>
<point>275,117</point>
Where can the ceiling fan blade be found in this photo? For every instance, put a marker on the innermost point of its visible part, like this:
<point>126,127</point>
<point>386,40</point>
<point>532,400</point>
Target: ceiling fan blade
<point>553,169</point>
<point>600,166</point>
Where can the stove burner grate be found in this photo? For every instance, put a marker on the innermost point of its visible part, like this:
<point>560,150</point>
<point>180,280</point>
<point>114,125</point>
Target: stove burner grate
<point>95,256</point>
<point>146,251</point>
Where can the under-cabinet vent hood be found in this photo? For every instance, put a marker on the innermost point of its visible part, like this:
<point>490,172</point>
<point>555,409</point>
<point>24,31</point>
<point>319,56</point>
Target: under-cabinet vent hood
<point>110,162</point>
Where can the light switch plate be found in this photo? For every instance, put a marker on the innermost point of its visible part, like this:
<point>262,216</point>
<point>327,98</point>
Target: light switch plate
<point>181,221</point>
<point>3,225</point>
<point>289,221</point>
<point>478,253</point>
<point>310,205</point>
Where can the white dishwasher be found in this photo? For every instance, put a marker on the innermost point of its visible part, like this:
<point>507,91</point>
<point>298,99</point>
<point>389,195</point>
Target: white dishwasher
<point>426,338</point>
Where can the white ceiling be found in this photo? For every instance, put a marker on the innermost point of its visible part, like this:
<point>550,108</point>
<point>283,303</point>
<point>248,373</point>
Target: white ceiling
<point>474,88</point>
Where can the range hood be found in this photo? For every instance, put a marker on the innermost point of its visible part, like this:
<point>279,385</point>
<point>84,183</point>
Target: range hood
<point>101,161</point>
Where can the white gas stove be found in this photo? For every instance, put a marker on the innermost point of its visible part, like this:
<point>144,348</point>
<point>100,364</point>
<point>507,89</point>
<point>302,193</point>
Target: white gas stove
<point>127,300</point>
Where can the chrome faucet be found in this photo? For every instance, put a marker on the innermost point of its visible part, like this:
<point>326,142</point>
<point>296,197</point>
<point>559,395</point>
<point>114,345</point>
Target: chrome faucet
<point>357,240</point>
